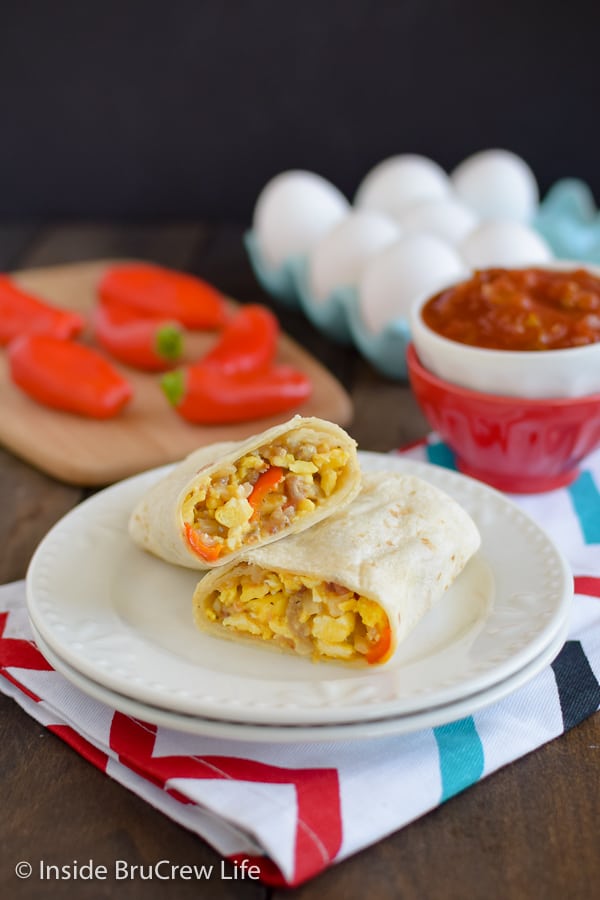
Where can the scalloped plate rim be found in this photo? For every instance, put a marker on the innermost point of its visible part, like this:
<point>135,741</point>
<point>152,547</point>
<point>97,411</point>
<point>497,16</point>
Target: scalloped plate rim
<point>323,693</point>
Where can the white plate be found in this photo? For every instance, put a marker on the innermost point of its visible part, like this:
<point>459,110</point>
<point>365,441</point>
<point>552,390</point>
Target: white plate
<point>123,619</point>
<point>285,734</point>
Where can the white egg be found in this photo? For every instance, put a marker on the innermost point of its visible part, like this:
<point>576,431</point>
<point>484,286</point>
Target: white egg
<point>505,244</point>
<point>394,278</point>
<point>339,258</point>
<point>445,217</point>
<point>293,211</point>
<point>497,184</point>
<point>401,181</point>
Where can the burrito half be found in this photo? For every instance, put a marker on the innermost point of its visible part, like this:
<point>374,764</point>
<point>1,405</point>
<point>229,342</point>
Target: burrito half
<point>230,497</point>
<point>352,587</point>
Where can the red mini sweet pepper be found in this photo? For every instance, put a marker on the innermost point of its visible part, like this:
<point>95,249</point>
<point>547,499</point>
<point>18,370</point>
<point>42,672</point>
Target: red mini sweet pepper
<point>151,344</point>
<point>264,484</point>
<point>66,375</point>
<point>153,290</point>
<point>206,396</point>
<point>206,551</point>
<point>381,648</point>
<point>248,342</point>
<point>22,313</point>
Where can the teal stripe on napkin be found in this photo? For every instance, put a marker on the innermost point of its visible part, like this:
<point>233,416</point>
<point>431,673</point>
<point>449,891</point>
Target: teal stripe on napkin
<point>461,756</point>
<point>441,455</point>
<point>586,500</point>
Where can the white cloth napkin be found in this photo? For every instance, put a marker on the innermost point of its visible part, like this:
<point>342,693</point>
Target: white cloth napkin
<point>294,809</point>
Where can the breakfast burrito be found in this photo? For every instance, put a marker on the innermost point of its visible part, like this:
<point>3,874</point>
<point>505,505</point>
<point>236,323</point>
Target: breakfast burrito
<point>226,498</point>
<point>350,588</point>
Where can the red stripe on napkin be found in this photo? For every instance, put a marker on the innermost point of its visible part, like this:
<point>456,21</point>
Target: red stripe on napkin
<point>79,743</point>
<point>18,684</point>
<point>20,654</point>
<point>587,585</point>
<point>319,825</point>
<point>132,737</point>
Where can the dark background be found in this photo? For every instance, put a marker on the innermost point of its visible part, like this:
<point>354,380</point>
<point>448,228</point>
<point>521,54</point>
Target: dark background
<point>187,108</point>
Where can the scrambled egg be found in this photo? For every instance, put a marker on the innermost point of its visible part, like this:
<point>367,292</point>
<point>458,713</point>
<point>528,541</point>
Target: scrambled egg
<point>231,508</point>
<point>309,616</point>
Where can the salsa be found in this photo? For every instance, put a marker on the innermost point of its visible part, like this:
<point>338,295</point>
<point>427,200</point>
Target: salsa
<point>519,309</point>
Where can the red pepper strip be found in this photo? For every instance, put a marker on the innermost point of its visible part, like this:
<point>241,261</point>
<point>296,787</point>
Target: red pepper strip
<point>209,552</point>
<point>380,650</point>
<point>153,290</point>
<point>69,376</point>
<point>22,313</point>
<point>248,342</point>
<point>149,344</point>
<point>263,485</point>
<point>205,396</point>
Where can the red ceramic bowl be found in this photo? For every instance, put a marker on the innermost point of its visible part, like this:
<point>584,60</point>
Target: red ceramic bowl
<point>515,444</point>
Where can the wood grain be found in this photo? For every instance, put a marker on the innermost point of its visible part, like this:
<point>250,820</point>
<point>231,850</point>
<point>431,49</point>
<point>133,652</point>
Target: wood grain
<point>35,502</point>
<point>386,414</point>
<point>148,432</point>
<point>172,245</point>
<point>13,238</point>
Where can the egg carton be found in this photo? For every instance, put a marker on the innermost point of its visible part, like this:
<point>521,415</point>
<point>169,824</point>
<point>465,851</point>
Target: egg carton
<point>567,219</point>
<point>338,317</point>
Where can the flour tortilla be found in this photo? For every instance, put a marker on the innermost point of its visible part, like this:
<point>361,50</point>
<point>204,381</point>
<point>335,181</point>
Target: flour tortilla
<point>401,543</point>
<point>156,523</point>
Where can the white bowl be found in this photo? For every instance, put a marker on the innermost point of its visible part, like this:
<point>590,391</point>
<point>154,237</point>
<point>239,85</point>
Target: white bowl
<point>571,372</point>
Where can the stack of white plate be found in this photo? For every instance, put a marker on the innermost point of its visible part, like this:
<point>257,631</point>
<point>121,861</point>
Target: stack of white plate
<point>118,624</point>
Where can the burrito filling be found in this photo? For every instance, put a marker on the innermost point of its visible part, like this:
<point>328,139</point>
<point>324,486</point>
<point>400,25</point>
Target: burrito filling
<point>312,617</point>
<point>262,493</point>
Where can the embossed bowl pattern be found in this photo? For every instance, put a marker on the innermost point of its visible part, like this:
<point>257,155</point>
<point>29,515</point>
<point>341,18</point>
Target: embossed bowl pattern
<point>514,444</point>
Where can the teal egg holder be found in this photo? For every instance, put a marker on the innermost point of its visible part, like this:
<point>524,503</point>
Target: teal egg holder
<point>338,316</point>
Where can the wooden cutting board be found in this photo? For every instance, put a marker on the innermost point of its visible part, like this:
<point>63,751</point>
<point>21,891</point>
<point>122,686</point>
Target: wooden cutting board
<point>148,432</point>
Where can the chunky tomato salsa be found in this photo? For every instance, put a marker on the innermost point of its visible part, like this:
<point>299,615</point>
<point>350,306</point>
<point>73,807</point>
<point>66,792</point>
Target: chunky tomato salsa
<point>519,309</point>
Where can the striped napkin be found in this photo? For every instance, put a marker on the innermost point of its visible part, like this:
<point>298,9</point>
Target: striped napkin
<point>291,810</point>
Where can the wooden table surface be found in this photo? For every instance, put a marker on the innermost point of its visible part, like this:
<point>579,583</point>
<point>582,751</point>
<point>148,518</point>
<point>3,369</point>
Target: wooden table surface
<point>528,831</point>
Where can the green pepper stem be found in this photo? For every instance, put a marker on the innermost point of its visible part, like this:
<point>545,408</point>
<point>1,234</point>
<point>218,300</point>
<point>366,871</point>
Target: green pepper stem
<point>173,386</point>
<point>169,342</point>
